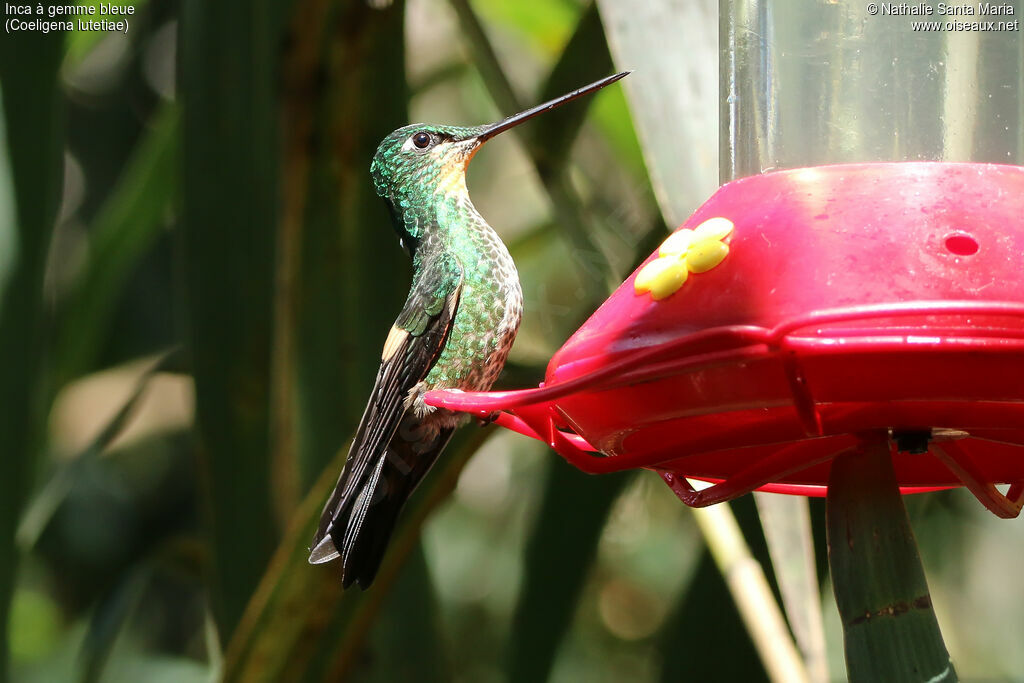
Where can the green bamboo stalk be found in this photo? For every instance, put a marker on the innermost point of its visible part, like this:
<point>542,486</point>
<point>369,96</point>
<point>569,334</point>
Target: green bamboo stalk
<point>889,625</point>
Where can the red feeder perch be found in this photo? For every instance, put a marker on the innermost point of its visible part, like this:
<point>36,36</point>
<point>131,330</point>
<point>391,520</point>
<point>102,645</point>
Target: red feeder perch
<point>795,314</point>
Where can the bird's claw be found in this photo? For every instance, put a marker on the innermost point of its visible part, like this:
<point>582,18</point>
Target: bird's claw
<point>485,420</point>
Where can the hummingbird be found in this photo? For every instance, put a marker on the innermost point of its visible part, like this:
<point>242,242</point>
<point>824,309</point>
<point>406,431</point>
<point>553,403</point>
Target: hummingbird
<point>454,332</point>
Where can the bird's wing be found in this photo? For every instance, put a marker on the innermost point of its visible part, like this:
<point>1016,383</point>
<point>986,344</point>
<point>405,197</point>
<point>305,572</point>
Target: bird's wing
<point>411,349</point>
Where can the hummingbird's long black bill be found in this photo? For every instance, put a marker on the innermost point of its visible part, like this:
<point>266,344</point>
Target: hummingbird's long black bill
<point>516,119</point>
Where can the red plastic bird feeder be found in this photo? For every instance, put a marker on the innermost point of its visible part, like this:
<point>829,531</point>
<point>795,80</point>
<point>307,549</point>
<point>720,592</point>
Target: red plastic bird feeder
<point>794,315</point>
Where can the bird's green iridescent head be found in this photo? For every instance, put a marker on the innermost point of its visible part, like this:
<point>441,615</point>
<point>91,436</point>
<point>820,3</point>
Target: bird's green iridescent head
<point>420,169</point>
<point>416,162</point>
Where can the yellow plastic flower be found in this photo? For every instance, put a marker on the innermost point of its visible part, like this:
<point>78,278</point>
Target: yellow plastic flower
<point>685,251</point>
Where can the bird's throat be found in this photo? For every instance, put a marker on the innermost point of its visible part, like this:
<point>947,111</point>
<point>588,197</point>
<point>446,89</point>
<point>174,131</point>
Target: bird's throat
<point>452,181</point>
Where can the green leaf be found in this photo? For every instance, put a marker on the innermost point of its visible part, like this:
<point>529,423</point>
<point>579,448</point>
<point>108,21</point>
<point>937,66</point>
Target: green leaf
<point>751,593</point>
<point>705,639</point>
<point>35,626</point>
<point>786,521</point>
<point>44,504</point>
<point>672,94</point>
<point>122,232</point>
<point>544,25</point>
<point>404,642</point>
<point>584,58</point>
<point>108,619</point>
<point>300,625</point>
<point>342,272</point>
<point>80,43</point>
<point>31,175</point>
<point>570,216</point>
<point>559,556</point>
<point>229,77</point>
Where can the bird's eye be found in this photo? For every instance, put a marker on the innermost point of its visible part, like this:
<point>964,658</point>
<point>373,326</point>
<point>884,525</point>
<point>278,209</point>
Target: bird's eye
<point>421,140</point>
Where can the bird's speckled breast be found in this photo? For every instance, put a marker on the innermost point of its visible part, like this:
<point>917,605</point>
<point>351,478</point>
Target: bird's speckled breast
<point>489,310</point>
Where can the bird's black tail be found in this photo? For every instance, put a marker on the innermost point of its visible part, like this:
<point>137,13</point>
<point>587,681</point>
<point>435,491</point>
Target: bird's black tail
<point>358,528</point>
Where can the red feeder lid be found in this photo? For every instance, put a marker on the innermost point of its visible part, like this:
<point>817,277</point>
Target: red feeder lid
<point>793,312</point>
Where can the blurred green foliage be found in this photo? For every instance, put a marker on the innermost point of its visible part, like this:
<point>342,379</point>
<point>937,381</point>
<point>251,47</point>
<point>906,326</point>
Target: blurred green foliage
<point>31,179</point>
<point>185,359</point>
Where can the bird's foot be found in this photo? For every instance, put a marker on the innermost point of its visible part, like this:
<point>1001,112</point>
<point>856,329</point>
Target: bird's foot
<point>488,419</point>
